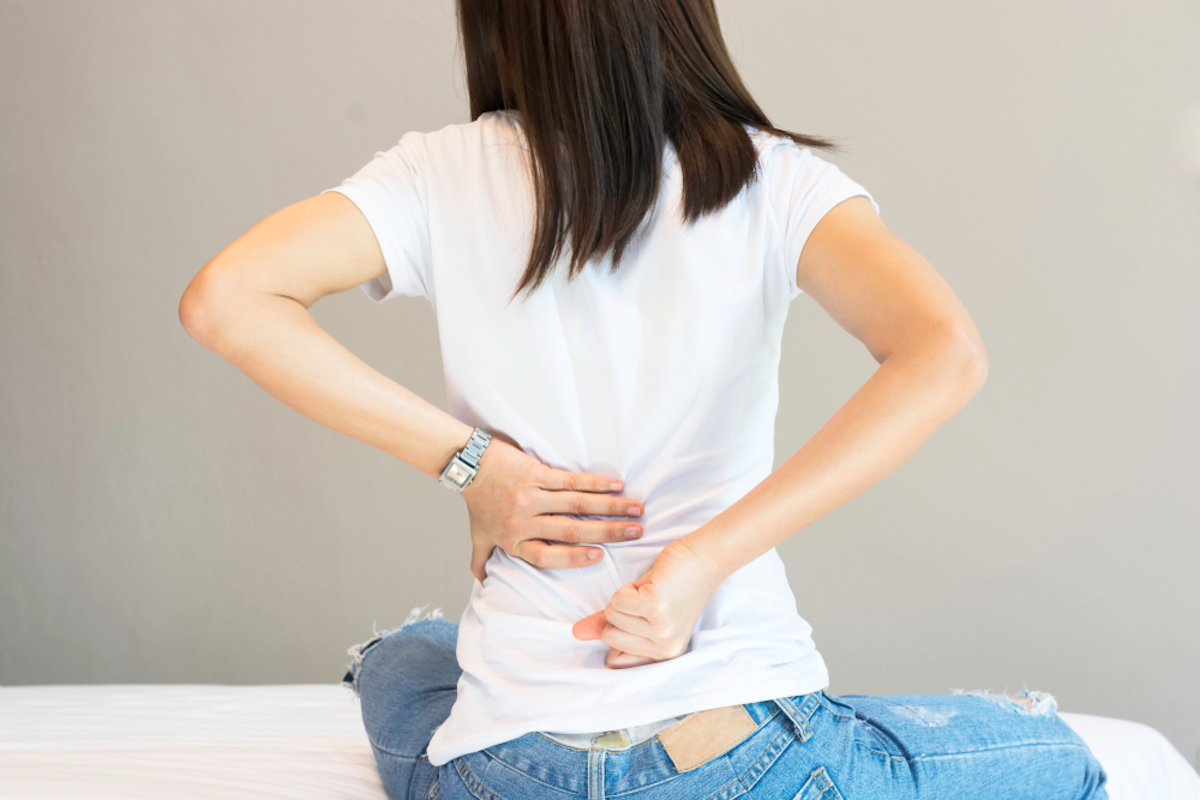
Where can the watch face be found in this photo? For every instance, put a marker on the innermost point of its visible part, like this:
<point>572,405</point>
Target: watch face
<point>456,474</point>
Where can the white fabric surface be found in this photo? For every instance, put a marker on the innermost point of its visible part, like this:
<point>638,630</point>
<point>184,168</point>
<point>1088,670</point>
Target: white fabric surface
<point>1140,762</point>
<point>182,742</point>
<point>306,742</point>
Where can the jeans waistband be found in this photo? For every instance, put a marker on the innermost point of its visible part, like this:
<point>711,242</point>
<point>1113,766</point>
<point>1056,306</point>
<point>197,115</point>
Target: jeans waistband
<point>598,772</point>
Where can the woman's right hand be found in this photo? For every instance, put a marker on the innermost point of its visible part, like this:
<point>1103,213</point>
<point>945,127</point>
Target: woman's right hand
<point>653,618</point>
<point>519,504</point>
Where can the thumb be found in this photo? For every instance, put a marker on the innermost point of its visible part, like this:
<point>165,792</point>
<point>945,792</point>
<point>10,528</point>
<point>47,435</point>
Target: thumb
<point>590,627</point>
<point>480,554</point>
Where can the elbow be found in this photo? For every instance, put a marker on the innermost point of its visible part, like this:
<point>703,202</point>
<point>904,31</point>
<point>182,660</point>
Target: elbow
<point>967,360</point>
<point>948,356</point>
<point>979,366</point>
<point>191,312</point>
<point>195,313</point>
<point>199,307</point>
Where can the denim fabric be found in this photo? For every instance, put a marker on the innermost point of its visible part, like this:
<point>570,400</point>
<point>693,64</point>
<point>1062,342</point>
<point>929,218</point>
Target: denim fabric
<point>964,746</point>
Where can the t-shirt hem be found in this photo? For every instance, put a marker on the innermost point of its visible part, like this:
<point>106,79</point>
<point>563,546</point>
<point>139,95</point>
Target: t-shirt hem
<point>611,720</point>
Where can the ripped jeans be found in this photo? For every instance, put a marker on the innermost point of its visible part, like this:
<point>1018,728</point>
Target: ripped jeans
<point>961,746</point>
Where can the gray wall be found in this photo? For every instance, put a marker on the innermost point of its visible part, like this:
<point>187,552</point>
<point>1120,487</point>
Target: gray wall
<point>164,519</point>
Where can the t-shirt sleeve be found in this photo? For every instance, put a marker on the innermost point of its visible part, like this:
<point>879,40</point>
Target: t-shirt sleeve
<point>391,194</point>
<point>807,188</point>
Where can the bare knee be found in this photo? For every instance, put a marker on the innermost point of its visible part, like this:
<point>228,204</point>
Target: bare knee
<point>1024,702</point>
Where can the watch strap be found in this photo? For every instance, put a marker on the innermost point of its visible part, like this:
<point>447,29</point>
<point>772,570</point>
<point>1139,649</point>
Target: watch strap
<point>473,451</point>
<point>461,470</point>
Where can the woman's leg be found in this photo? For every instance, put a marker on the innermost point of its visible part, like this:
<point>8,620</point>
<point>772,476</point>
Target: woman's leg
<point>407,681</point>
<point>980,746</point>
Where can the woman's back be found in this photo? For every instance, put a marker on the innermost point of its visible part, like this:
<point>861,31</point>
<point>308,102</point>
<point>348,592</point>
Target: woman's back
<point>662,373</point>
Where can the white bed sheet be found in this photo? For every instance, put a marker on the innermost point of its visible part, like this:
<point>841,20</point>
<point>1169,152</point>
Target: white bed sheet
<point>184,741</point>
<point>1141,763</point>
<point>303,742</point>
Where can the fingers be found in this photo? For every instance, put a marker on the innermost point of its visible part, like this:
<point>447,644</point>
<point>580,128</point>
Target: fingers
<point>628,622</point>
<point>618,660</point>
<point>582,531</point>
<point>555,556</point>
<point>594,626</point>
<point>634,601</point>
<point>633,644</point>
<point>560,479</point>
<point>626,647</point>
<point>591,626</point>
<point>587,504</point>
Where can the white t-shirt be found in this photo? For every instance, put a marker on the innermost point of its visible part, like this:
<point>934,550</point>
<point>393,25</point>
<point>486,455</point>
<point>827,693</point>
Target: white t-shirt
<point>663,374</point>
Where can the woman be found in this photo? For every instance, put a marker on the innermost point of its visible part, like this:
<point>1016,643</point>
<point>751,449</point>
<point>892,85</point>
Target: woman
<point>611,246</point>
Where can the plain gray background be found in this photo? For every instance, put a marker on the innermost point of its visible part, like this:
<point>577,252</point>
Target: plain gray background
<point>165,520</point>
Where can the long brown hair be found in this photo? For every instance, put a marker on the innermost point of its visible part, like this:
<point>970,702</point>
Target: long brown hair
<point>601,86</point>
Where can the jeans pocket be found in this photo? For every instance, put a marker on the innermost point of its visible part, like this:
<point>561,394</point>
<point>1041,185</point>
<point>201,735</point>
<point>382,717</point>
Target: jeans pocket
<point>818,787</point>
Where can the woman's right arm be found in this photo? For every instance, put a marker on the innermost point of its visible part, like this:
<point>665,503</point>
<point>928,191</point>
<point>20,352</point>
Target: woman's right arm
<point>249,304</point>
<point>932,362</point>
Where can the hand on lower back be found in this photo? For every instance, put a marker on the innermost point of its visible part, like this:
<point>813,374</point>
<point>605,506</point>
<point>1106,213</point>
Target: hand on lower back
<point>519,504</point>
<point>652,619</point>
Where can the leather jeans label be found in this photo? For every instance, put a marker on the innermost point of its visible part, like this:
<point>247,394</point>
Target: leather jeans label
<point>705,734</point>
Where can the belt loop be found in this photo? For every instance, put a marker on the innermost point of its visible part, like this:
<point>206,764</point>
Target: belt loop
<point>799,714</point>
<point>595,769</point>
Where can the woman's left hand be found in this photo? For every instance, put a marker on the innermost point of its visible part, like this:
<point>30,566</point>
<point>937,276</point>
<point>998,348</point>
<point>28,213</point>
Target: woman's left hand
<point>652,619</point>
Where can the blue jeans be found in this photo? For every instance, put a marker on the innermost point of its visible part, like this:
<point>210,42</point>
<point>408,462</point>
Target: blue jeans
<point>852,747</point>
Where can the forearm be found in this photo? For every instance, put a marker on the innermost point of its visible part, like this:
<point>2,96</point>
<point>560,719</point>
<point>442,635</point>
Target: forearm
<point>879,428</point>
<point>277,343</point>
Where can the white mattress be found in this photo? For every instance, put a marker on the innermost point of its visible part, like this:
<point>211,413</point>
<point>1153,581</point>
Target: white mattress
<point>306,742</point>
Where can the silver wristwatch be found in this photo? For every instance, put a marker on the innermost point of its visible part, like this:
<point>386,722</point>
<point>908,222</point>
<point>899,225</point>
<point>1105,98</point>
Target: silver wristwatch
<point>462,468</point>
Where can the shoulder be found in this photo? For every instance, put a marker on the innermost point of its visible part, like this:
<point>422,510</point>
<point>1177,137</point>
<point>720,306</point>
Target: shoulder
<point>457,140</point>
<point>767,142</point>
<point>780,155</point>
